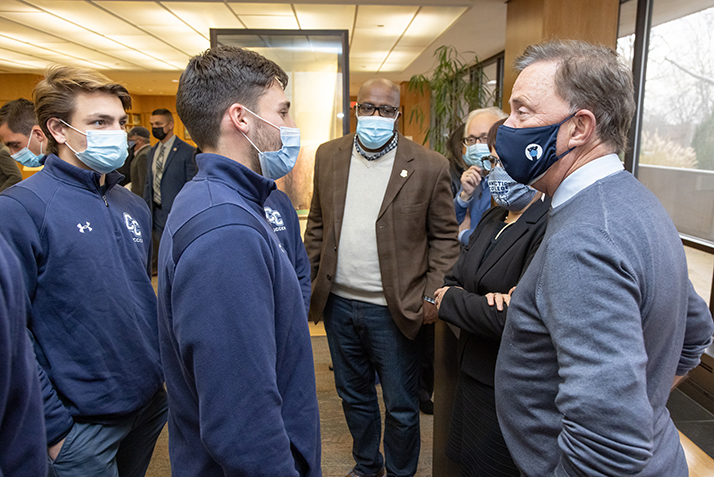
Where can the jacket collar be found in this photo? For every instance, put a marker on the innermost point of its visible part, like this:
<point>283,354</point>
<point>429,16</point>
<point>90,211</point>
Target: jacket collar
<point>250,185</point>
<point>86,179</point>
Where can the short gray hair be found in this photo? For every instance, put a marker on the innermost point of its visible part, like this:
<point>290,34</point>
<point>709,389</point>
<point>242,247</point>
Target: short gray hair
<point>590,77</point>
<point>493,110</point>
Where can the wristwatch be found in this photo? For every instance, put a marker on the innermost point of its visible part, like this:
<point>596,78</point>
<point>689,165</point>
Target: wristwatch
<point>429,299</point>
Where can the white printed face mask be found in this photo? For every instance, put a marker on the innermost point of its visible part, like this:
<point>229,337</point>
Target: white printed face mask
<point>106,150</point>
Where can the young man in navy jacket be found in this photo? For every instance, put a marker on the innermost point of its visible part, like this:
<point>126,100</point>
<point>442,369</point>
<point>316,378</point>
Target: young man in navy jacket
<point>84,245</point>
<point>235,344</point>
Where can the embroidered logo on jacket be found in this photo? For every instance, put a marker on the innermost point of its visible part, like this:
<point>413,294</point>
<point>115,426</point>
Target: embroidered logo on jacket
<point>133,227</point>
<point>82,228</point>
<point>275,219</point>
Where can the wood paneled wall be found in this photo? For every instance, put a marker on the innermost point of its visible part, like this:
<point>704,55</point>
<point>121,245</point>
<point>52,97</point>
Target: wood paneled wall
<point>533,21</point>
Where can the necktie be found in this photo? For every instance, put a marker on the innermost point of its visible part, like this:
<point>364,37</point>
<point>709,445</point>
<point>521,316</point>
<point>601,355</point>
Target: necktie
<point>158,175</point>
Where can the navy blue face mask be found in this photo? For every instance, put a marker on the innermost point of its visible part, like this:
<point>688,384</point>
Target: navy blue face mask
<point>527,153</point>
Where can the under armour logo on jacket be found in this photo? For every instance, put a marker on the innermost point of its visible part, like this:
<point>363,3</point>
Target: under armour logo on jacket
<point>82,228</point>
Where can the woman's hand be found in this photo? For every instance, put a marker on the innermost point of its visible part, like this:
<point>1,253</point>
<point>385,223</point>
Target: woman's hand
<point>470,179</point>
<point>499,299</point>
<point>439,295</point>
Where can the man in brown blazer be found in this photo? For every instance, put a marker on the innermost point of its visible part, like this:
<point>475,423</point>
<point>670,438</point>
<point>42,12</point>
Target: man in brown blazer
<point>381,234</point>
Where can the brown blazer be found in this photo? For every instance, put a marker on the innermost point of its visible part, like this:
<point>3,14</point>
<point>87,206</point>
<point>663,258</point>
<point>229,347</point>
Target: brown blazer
<point>416,228</point>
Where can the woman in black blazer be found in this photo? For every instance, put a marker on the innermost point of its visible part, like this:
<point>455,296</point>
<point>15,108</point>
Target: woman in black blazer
<point>496,256</point>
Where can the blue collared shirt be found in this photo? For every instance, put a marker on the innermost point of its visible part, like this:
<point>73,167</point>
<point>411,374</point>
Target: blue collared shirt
<point>585,176</point>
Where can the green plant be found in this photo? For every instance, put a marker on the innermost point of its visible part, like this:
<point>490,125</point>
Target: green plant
<point>454,92</point>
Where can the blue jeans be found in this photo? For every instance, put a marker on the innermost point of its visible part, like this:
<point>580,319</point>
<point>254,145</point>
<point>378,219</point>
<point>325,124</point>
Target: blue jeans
<point>123,448</point>
<point>363,338</point>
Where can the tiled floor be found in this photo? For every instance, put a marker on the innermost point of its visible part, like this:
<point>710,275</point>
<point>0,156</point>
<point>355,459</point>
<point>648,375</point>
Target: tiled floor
<point>692,420</point>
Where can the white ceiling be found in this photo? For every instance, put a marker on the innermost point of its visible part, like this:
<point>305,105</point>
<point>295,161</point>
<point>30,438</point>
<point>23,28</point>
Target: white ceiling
<point>146,44</point>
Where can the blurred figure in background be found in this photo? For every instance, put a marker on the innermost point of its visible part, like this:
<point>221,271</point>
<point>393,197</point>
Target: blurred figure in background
<point>139,135</point>
<point>9,172</point>
<point>21,134</point>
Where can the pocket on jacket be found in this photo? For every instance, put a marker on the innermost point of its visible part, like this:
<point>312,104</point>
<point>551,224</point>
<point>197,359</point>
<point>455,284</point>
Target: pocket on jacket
<point>413,209</point>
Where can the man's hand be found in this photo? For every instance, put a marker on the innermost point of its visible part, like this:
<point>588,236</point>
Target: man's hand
<point>499,299</point>
<point>431,315</point>
<point>55,449</point>
<point>470,179</point>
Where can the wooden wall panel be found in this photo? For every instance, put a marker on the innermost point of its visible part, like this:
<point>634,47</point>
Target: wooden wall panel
<point>411,99</point>
<point>14,86</point>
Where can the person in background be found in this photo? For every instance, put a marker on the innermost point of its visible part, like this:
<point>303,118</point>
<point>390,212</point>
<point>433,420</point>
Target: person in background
<point>139,135</point>
<point>21,134</point>
<point>474,197</point>
<point>22,424</point>
<point>498,252</point>
<point>381,234</point>
<point>605,320</point>
<point>83,245</point>
<point>9,172</point>
<point>235,343</point>
<point>455,154</point>
<point>169,165</point>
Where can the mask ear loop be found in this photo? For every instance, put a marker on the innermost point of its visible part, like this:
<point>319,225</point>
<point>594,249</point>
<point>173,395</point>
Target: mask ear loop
<point>560,124</point>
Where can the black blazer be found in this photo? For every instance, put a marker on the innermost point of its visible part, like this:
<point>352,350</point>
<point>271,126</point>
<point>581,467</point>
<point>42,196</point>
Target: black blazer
<point>179,168</point>
<point>482,325</point>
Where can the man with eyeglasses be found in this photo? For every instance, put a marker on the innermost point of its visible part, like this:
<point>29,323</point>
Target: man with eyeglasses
<point>381,234</point>
<point>474,196</point>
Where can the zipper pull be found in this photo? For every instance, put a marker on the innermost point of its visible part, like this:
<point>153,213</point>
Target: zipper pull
<point>105,200</point>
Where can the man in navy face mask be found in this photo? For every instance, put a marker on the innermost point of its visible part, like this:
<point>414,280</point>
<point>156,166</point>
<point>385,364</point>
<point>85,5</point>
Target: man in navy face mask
<point>84,243</point>
<point>605,319</point>
<point>381,234</point>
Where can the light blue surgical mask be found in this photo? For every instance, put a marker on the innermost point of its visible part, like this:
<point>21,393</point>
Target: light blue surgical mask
<point>375,131</point>
<point>276,164</point>
<point>508,193</point>
<point>475,153</point>
<point>106,150</point>
<point>28,158</point>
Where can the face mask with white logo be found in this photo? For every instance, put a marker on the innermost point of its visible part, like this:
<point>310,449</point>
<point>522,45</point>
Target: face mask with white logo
<point>28,158</point>
<point>375,131</point>
<point>106,150</point>
<point>276,164</point>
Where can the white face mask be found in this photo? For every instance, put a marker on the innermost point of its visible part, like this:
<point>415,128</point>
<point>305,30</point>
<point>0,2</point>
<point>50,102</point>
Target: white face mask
<point>106,150</point>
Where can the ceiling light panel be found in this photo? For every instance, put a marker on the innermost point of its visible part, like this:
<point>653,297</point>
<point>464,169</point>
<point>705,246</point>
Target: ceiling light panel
<point>204,16</point>
<point>429,24</point>
<point>87,15</point>
<point>379,27</point>
<point>326,17</point>
<point>14,6</point>
<point>182,38</point>
<point>270,22</point>
<point>147,44</point>
<point>143,14</point>
<point>25,33</point>
<point>399,58</point>
<point>280,9</point>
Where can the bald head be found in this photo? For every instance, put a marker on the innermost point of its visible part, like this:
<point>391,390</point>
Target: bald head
<point>379,91</point>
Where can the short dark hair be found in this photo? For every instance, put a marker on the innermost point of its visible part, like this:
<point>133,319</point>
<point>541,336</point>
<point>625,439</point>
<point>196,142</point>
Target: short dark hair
<point>54,96</point>
<point>216,79</point>
<point>163,112</point>
<point>19,115</point>
<point>590,77</point>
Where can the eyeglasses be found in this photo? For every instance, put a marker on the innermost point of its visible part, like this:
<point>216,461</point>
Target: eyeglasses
<point>471,140</point>
<point>492,159</point>
<point>367,109</point>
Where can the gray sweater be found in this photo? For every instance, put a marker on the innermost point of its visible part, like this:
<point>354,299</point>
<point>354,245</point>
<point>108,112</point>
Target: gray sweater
<point>598,327</point>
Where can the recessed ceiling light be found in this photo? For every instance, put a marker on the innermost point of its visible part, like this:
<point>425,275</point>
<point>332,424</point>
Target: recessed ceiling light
<point>380,26</point>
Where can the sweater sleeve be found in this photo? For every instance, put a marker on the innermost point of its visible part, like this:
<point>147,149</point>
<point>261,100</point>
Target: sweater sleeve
<point>698,335</point>
<point>231,350</point>
<point>9,172</point>
<point>19,230</point>
<point>601,355</point>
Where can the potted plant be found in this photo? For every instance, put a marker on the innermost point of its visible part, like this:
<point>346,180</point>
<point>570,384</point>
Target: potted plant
<point>455,90</point>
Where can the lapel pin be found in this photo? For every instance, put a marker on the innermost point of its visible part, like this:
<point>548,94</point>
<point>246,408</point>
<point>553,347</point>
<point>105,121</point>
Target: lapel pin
<point>404,173</point>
